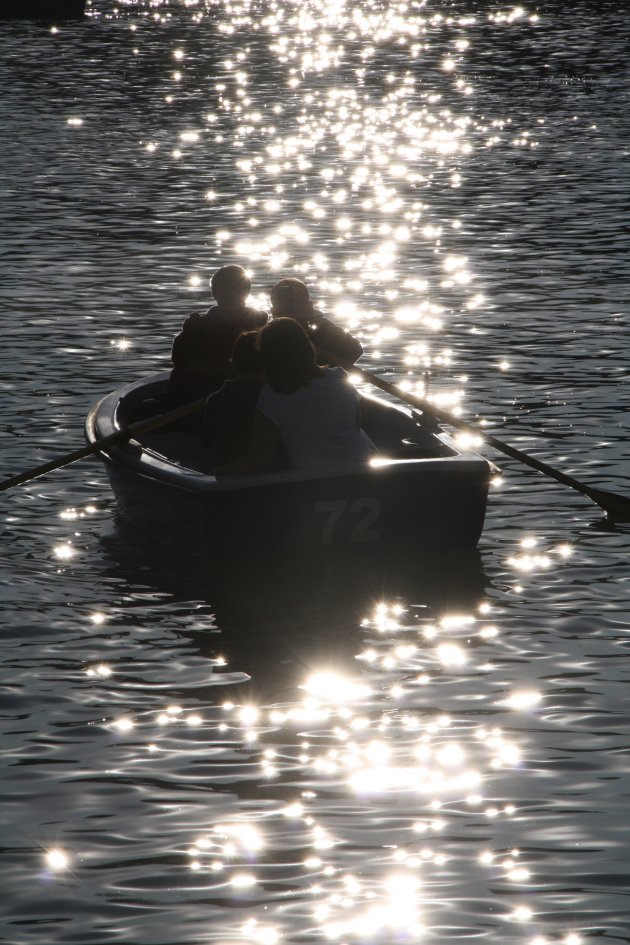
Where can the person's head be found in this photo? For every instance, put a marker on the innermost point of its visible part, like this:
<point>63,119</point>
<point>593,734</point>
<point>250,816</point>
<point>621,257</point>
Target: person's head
<point>230,286</point>
<point>288,356</point>
<point>289,298</point>
<point>247,360</point>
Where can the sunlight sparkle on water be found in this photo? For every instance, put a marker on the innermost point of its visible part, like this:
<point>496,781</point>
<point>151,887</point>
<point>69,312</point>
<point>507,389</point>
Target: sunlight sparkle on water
<point>527,562</point>
<point>293,810</point>
<point>243,880</point>
<point>261,934</point>
<point>523,700</point>
<point>522,914</point>
<point>330,687</point>
<point>355,177</point>
<point>451,655</point>
<point>247,837</point>
<point>454,621</point>
<point>395,908</point>
<point>57,859</point>
<point>377,144</point>
<point>249,715</point>
<point>101,670</point>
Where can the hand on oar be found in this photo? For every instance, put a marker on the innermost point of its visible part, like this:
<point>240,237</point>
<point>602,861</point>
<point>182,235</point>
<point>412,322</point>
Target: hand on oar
<point>614,505</point>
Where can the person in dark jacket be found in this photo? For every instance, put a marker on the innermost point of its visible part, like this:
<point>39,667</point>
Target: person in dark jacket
<point>229,413</point>
<point>202,349</point>
<point>290,299</point>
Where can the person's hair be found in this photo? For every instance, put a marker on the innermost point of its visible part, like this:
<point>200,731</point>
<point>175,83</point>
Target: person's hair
<point>230,284</point>
<point>288,356</point>
<point>246,355</point>
<point>290,297</point>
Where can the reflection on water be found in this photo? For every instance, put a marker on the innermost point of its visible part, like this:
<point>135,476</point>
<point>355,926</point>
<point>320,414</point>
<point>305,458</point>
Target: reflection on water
<point>335,750</point>
<point>287,615</point>
<point>341,765</point>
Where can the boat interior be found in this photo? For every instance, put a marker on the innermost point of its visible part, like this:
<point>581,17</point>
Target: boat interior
<point>399,433</point>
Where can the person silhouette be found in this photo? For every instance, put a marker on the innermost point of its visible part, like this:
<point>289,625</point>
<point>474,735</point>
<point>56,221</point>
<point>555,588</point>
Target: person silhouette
<point>229,412</point>
<point>290,298</point>
<point>201,351</point>
<point>311,411</point>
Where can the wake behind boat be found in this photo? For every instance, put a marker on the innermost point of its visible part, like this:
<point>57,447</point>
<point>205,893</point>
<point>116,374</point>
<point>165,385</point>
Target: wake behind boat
<point>419,492</point>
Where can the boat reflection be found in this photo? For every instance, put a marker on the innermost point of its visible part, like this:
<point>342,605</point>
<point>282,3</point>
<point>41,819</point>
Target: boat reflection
<point>351,730</point>
<point>277,618</point>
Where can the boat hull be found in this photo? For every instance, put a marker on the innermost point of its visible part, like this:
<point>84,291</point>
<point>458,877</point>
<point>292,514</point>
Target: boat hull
<point>430,503</point>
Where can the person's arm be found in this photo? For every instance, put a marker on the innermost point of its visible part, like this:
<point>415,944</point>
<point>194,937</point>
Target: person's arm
<point>334,342</point>
<point>262,450</point>
<point>186,343</point>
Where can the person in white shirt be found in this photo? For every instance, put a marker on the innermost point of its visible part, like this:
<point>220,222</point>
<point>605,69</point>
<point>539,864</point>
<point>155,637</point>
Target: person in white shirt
<point>311,411</point>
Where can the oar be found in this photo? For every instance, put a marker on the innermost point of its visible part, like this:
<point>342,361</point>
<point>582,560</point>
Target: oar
<point>616,506</point>
<point>125,433</point>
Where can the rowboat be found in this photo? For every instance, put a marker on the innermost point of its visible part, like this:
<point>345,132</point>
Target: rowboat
<point>421,490</point>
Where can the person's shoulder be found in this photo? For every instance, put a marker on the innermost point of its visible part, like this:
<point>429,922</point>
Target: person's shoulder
<point>197,318</point>
<point>338,340</point>
<point>217,396</point>
<point>338,373</point>
<point>337,380</point>
<point>249,383</point>
<point>244,388</point>
<point>267,396</point>
<point>255,317</point>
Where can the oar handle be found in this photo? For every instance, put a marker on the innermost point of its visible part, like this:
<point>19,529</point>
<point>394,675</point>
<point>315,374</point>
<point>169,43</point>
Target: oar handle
<point>125,433</point>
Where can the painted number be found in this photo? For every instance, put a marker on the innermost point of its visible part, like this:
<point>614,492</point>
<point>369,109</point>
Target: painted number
<point>358,519</point>
<point>365,513</point>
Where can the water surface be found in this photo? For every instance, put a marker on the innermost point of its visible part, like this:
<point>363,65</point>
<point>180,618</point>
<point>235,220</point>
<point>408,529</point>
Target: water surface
<point>270,752</point>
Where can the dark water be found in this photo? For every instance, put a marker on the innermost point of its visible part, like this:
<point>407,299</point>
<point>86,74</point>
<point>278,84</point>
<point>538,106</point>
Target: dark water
<point>267,752</point>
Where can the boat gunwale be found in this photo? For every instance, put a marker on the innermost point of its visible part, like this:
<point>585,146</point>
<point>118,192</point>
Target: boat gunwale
<point>145,462</point>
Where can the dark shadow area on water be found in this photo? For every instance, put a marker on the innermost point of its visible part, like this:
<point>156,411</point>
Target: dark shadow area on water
<point>276,617</point>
